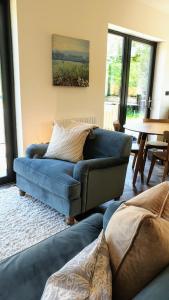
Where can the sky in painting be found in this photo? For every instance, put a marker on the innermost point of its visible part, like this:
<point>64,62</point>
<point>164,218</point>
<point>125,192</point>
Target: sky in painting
<point>63,43</point>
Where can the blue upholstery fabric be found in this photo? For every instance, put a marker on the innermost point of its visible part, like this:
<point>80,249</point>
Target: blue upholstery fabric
<point>23,276</point>
<point>95,180</point>
<point>36,150</point>
<point>84,166</point>
<point>102,185</point>
<point>54,175</point>
<point>110,211</point>
<point>158,289</point>
<point>107,143</point>
<point>68,208</point>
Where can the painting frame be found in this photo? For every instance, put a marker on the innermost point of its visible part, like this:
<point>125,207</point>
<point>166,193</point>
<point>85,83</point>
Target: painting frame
<point>70,61</point>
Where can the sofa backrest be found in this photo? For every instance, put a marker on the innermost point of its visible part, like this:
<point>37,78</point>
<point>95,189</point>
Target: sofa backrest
<point>106,143</point>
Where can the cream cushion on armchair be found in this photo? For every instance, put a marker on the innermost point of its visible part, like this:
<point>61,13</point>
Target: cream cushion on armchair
<point>67,142</point>
<point>138,241</point>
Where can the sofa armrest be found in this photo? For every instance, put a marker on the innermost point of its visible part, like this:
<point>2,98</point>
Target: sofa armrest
<point>110,211</point>
<point>23,275</point>
<point>36,150</point>
<point>82,167</point>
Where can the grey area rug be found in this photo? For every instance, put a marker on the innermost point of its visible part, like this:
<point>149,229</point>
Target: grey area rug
<point>25,221</point>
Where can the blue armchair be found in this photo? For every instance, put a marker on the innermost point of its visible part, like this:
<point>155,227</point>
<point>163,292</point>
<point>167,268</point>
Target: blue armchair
<point>74,188</point>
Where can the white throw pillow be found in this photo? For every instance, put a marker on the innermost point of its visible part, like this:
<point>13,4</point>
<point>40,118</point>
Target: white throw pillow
<point>67,142</point>
<point>86,276</point>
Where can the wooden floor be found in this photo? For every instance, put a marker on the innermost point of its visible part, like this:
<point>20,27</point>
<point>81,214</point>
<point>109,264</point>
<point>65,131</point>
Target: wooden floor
<point>156,178</point>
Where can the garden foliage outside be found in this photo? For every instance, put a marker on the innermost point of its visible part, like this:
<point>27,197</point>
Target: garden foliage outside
<point>138,76</point>
<point>139,71</point>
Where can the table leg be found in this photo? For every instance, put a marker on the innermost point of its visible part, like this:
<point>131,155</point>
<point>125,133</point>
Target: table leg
<point>140,159</point>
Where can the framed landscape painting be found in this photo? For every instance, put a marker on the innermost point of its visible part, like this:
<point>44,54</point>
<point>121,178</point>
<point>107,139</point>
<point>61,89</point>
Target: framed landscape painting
<point>70,61</point>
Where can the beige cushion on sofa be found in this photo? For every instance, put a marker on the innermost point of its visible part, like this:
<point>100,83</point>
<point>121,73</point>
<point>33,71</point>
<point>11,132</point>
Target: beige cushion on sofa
<point>67,142</point>
<point>138,241</point>
<point>154,200</point>
<point>86,276</point>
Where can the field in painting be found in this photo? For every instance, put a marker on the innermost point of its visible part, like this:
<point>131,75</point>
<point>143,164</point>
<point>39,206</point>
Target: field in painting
<point>70,73</point>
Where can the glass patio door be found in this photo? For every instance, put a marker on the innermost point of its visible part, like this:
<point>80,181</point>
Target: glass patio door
<point>129,78</point>
<point>114,66</point>
<point>138,97</point>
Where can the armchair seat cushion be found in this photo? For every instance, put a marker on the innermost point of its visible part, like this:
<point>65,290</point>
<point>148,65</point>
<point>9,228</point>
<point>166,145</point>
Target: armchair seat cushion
<point>58,181</point>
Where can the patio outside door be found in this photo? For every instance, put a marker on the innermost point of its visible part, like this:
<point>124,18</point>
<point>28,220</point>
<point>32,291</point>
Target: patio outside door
<point>129,78</point>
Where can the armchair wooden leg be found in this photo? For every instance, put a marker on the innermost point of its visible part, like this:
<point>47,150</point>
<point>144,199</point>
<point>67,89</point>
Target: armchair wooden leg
<point>165,170</point>
<point>151,168</point>
<point>117,198</point>
<point>21,193</point>
<point>70,220</point>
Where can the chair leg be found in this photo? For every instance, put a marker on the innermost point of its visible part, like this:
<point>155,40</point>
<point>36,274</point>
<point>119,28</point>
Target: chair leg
<point>165,170</point>
<point>21,193</point>
<point>117,198</point>
<point>70,220</point>
<point>142,177</point>
<point>151,168</point>
<point>134,160</point>
<point>145,156</point>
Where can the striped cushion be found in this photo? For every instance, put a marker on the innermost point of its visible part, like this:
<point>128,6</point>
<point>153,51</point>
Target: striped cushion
<point>67,143</point>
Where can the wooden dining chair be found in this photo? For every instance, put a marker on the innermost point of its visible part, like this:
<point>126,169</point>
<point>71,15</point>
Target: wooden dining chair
<point>161,145</point>
<point>162,156</point>
<point>135,145</point>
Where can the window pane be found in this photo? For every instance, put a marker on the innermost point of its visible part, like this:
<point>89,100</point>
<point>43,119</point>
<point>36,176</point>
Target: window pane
<point>138,80</point>
<point>113,79</point>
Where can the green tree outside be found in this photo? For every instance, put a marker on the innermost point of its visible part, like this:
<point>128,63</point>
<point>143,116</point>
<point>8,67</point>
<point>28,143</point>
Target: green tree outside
<point>139,71</point>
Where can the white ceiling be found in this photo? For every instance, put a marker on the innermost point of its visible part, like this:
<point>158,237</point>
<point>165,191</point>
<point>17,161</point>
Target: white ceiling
<point>162,5</point>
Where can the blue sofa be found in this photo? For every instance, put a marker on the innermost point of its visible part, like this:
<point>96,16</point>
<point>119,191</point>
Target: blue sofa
<point>23,276</point>
<point>74,188</point>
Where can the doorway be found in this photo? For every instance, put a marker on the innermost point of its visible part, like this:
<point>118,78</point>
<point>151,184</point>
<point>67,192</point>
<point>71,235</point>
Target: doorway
<point>129,78</point>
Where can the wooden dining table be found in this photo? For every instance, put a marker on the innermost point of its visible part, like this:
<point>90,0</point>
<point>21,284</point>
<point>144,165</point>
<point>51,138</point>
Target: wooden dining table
<point>145,129</point>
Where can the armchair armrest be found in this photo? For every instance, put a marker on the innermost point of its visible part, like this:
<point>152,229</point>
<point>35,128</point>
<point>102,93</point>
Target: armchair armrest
<point>36,150</point>
<point>82,167</point>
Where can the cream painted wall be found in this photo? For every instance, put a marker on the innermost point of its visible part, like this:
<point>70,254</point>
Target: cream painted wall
<point>41,102</point>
